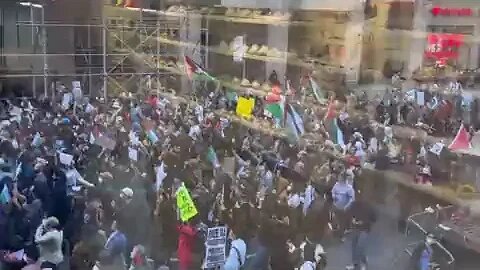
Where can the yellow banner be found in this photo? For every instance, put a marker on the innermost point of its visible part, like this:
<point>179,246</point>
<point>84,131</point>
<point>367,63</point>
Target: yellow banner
<point>245,107</point>
<point>185,204</point>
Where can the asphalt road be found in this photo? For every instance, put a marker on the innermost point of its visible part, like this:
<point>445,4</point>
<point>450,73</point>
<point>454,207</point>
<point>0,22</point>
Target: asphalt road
<point>385,245</point>
<point>386,249</point>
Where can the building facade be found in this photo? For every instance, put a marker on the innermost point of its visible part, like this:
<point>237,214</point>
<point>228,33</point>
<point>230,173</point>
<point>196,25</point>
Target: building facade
<point>33,42</point>
<point>446,31</point>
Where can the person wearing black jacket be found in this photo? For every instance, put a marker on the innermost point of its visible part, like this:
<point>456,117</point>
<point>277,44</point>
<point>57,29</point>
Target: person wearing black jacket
<point>363,219</point>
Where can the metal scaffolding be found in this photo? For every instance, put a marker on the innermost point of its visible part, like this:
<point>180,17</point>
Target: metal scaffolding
<point>112,66</point>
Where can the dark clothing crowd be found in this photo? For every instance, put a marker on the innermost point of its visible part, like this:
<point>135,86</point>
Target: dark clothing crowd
<point>90,184</point>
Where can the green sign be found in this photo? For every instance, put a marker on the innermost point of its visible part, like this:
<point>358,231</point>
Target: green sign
<point>185,204</point>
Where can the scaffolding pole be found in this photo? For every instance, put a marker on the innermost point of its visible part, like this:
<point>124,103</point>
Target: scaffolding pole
<point>89,46</point>
<point>107,70</point>
<point>44,49</point>
<point>34,86</point>
<point>104,41</point>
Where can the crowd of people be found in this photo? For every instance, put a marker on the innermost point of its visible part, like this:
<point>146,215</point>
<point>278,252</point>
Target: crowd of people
<point>93,184</point>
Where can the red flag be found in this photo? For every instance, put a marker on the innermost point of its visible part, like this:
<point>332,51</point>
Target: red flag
<point>461,141</point>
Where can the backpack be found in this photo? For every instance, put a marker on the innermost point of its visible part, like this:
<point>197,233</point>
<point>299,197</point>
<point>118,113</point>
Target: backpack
<point>237,252</point>
<point>239,257</point>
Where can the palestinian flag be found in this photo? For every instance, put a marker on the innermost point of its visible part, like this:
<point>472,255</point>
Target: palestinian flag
<point>275,95</point>
<point>334,132</point>
<point>331,112</point>
<point>276,110</point>
<point>331,124</point>
<point>461,141</point>
<point>275,105</point>
<point>294,122</point>
<point>317,92</point>
<point>290,90</point>
<point>195,70</point>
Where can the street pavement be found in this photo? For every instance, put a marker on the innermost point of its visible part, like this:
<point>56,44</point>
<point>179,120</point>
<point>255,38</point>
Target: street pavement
<point>386,248</point>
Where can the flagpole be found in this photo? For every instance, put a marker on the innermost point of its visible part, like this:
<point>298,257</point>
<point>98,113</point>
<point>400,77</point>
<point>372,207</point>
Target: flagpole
<point>244,62</point>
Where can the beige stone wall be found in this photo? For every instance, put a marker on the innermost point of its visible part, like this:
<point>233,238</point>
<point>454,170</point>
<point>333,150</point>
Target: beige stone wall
<point>385,49</point>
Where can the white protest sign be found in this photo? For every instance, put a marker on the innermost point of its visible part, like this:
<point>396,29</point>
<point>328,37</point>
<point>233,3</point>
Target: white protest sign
<point>421,98</point>
<point>437,148</point>
<point>76,84</point>
<point>160,175</point>
<point>133,154</point>
<point>67,98</point>
<point>215,247</point>
<point>89,108</point>
<point>91,139</point>
<point>66,159</point>
<point>37,140</point>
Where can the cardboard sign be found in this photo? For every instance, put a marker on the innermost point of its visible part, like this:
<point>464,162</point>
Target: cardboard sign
<point>245,107</point>
<point>185,204</point>
<point>215,254</point>
<point>228,165</point>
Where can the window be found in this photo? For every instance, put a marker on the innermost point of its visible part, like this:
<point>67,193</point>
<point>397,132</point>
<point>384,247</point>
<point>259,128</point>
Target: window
<point>400,15</point>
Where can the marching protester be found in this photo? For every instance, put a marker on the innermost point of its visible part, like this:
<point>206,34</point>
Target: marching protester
<point>49,240</point>
<point>238,252</point>
<point>363,218</point>
<point>186,240</point>
<point>143,182</point>
<point>343,196</point>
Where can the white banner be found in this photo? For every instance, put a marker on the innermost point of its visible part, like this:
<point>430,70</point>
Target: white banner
<point>239,49</point>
